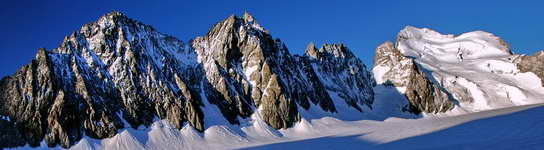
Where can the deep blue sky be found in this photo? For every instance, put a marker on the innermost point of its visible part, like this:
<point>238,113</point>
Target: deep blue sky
<point>28,25</point>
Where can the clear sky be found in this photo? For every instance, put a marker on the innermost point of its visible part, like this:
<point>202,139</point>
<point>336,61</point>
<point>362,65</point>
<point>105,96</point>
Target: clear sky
<point>361,24</point>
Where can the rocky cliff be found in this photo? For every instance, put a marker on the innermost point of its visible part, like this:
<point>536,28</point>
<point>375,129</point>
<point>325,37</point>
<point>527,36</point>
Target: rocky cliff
<point>392,68</point>
<point>534,63</point>
<point>119,73</point>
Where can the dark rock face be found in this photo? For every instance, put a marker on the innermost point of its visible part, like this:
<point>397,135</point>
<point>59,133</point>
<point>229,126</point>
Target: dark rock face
<point>117,73</point>
<point>397,67</point>
<point>247,69</point>
<point>10,137</point>
<point>242,63</point>
<point>425,96</point>
<point>340,72</point>
<point>111,71</point>
<point>422,94</point>
<point>534,63</point>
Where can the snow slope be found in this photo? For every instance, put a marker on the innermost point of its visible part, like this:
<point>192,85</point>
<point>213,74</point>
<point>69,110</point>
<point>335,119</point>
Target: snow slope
<point>507,128</point>
<point>477,68</point>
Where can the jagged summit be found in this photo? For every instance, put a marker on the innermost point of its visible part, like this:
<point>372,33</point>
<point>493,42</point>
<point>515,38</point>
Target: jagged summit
<point>112,71</point>
<point>261,64</point>
<point>328,50</point>
<point>113,14</point>
<point>112,19</point>
<point>337,50</point>
<point>239,82</point>
<point>248,18</point>
<point>119,73</point>
<point>235,30</point>
<point>311,50</point>
<point>246,21</point>
<point>233,24</point>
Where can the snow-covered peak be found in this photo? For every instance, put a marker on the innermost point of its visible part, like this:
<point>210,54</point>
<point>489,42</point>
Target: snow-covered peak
<point>326,50</point>
<point>115,14</point>
<point>250,21</point>
<point>243,26</point>
<point>246,22</point>
<point>337,50</point>
<point>248,17</point>
<point>476,68</point>
<point>414,32</point>
<point>116,35</point>
<point>235,37</point>
<point>311,50</point>
<point>111,20</point>
<point>428,44</point>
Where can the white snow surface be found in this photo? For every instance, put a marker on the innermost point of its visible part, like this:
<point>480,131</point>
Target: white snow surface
<point>507,128</point>
<point>477,62</point>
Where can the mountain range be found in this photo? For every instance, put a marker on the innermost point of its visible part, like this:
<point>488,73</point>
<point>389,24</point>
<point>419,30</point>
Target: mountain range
<point>118,74</point>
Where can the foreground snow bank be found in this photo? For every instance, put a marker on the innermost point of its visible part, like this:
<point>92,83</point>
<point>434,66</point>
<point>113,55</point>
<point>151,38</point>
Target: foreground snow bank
<point>508,128</point>
<point>385,127</point>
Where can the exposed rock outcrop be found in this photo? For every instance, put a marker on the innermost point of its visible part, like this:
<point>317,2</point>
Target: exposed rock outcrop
<point>534,64</point>
<point>109,72</point>
<point>117,73</point>
<point>473,71</point>
<point>341,73</point>
<point>392,67</point>
<point>248,68</point>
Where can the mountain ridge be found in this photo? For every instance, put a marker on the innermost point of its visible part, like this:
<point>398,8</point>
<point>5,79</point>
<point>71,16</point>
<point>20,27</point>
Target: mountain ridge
<point>118,73</point>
